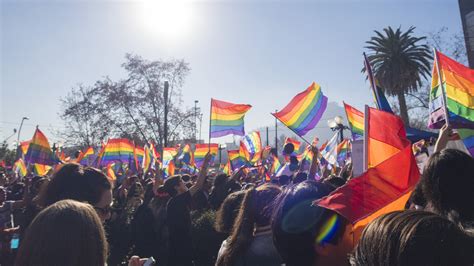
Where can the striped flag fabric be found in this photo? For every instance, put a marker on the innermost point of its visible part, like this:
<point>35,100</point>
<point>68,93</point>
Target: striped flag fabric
<point>24,146</point>
<point>148,159</point>
<point>41,169</point>
<point>304,111</point>
<point>109,172</point>
<point>20,168</point>
<point>201,151</point>
<point>187,155</point>
<point>276,165</point>
<point>227,118</point>
<point>236,159</point>
<point>343,150</point>
<point>356,121</point>
<point>457,81</point>
<point>329,152</point>
<point>296,144</point>
<point>251,146</point>
<point>467,136</point>
<point>117,150</point>
<point>85,156</point>
<point>39,150</point>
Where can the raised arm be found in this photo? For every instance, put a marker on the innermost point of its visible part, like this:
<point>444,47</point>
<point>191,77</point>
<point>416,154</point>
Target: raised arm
<point>201,176</point>
<point>444,136</point>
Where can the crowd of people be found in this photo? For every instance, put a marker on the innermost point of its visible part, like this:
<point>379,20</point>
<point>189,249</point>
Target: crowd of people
<point>78,217</point>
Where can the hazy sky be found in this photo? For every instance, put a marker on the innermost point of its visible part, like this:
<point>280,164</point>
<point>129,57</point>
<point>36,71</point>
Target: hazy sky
<point>257,52</point>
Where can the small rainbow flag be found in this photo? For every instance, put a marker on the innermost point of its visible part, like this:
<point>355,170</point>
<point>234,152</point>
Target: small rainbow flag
<point>343,150</point>
<point>85,156</point>
<point>39,150</point>
<point>296,144</point>
<point>168,164</point>
<point>169,170</point>
<point>227,118</point>
<point>467,136</point>
<point>20,167</point>
<point>236,160</point>
<point>24,146</point>
<point>457,82</point>
<point>41,169</point>
<point>251,147</point>
<point>276,165</point>
<point>226,168</point>
<point>306,156</point>
<point>201,151</point>
<point>147,159</point>
<point>187,155</point>
<point>356,121</point>
<point>138,155</point>
<point>117,150</point>
<point>304,111</point>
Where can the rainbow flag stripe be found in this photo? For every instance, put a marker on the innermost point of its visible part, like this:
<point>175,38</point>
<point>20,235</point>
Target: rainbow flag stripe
<point>85,157</point>
<point>20,167</point>
<point>458,83</point>
<point>227,118</point>
<point>276,165</point>
<point>117,150</point>
<point>236,160</point>
<point>306,156</point>
<point>41,169</point>
<point>251,147</point>
<point>39,150</point>
<point>343,150</point>
<point>296,144</point>
<point>201,151</point>
<point>109,172</point>
<point>187,155</point>
<point>304,111</point>
<point>138,155</point>
<point>356,121</point>
<point>467,136</point>
<point>147,159</point>
<point>168,156</point>
<point>24,146</point>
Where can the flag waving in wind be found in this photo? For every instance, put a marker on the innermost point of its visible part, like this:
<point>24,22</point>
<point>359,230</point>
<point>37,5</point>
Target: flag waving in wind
<point>227,118</point>
<point>304,111</point>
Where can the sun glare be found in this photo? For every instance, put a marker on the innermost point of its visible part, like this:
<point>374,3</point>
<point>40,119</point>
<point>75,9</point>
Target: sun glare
<point>167,18</point>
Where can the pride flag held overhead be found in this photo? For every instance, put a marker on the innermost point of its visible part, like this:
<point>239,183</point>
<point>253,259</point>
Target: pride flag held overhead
<point>201,151</point>
<point>85,156</point>
<point>304,111</point>
<point>187,155</point>
<point>227,118</point>
<point>39,150</point>
<point>148,159</point>
<point>251,146</point>
<point>20,168</point>
<point>276,165</point>
<point>236,159</point>
<point>24,146</point>
<point>41,169</point>
<point>454,95</point>
<point>343,150</point>
<point>121,150</point>
<point>296,144</point>
<point>356,121</point>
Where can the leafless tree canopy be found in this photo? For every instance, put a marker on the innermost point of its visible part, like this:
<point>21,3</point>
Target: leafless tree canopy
<point>132,107</point>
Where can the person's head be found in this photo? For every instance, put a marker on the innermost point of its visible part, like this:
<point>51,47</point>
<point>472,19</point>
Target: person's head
<point>304,233</point>
<point>227,213</point>
<point>85,184</point>
<point>136,191</point>
<point>220,180</point>
<point>300,177</point>
<point>284,180</point>
<point>65,233</point>
<point>174,185</point>
<point>447,184</point>
<point>413,238</point>
<point>255,211</point>
<point>416,200</point>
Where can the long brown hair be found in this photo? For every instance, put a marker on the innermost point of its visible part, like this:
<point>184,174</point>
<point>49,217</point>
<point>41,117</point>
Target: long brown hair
<point>256,209</point>
<point>66,233</point>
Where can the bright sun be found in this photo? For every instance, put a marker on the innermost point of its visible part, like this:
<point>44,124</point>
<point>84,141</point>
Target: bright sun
<point>167,18</point>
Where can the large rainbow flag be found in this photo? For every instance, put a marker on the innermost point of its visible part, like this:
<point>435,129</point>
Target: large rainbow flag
<point>467,136</point>
<point>201,151</point>
<point>304,111</point>
<point>227,118</point>
<point>356,121</point>
<point>117,150</point>
<point>39,150</point>
<point>457,81</point>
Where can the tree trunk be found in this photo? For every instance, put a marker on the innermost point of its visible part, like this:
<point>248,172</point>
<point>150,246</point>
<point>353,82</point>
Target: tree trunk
<point>403,109</point>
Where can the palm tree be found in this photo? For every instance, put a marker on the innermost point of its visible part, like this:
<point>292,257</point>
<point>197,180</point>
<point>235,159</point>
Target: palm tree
<point>399,63</point>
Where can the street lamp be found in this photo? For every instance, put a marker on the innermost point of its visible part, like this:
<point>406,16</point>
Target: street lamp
<point>336,124</point>
<point>19,130</point>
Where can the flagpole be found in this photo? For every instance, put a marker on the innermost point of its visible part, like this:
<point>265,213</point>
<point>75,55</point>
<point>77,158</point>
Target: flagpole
<point>370,74</point>
<point>210,118</point>
<point>440,80</point>
<point>307,142</point>
<point>366,138</point>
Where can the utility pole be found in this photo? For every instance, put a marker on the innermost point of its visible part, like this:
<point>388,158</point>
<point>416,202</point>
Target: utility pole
<point>267,136</point>
<point>165,130</point>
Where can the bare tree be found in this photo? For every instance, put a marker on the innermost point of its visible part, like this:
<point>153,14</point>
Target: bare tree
<point>132,107</point>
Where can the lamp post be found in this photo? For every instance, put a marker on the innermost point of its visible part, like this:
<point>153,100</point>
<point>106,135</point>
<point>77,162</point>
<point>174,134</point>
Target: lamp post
<point>195,120</point>
<point>19,131</point>
<point>336,124</point>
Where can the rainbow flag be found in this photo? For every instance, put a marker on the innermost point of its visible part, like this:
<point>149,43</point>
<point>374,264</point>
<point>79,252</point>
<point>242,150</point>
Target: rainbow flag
<point>201,151</point>
<point>121,150</point>
<point>356,121</point>
<point>156,154</point>
<point>296,144</point>
<point>306,156</point>
<point>168,156</point>
<point>39,150</point>
<point>85,156</point>
<point>41,169</point>
<point>276,165</point>
<point>236,160</point>
<point>343,150</point>
<point>187,155</point>
<point>147,159</point>
<point>138,155</point>
<point>169,170</point>
<point>457,81</point>
<point>24,147</point>
<point>226,168</point>
<point>227,118</point>
<point>20,168</point>
<point>304,111</point>
<point>467,136</point>
<point>251,147</point>
<point>110,172</point>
